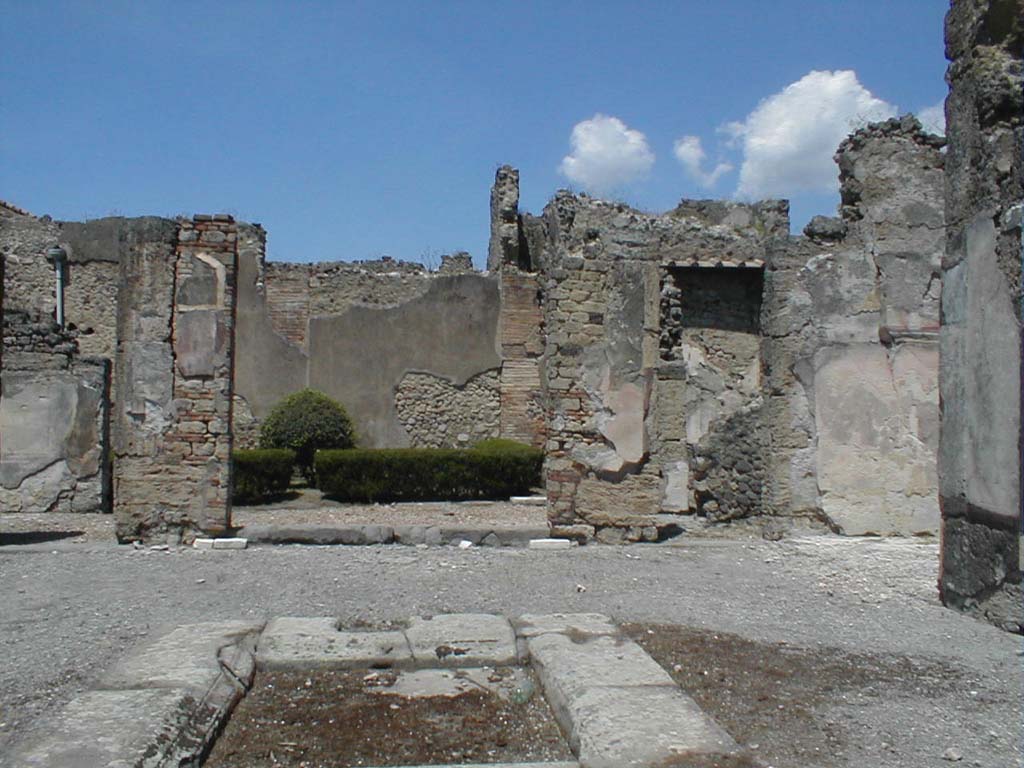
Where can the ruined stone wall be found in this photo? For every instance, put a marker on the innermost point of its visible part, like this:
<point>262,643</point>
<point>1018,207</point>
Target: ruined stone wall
<point>850,321</point>
<point>175,369</point>
<point>411,354</point>
<point>705,362</point>
<point>980,458</point>
<point>624,423</point>
<point>296,292</point>
<point>54,426</point>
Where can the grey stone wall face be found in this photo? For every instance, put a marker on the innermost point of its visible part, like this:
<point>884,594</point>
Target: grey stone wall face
<point>503,247</point>
<point>704,361</point>
<point>981,338</point>
<point>850,321</point>
<point>175,364</point>
<point>53,420</point>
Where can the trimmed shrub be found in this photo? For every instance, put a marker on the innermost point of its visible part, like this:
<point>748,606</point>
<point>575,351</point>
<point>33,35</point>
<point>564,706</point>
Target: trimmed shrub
<point>492,470</point>
<point>305,422</point>
<point>261,473</point>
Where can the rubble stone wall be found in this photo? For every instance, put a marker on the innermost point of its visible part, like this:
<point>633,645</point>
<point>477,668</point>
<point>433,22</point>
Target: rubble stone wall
<point>618,453</point>
<point>436,413</point>
<point>175,365</point>
<point>980,457</point>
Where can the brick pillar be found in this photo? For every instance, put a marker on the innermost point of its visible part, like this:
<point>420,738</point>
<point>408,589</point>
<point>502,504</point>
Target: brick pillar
<point>522,344</point>
<point>176,365</point>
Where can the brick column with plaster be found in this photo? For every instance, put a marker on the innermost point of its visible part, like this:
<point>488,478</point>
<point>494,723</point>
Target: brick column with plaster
<point>172,467</point>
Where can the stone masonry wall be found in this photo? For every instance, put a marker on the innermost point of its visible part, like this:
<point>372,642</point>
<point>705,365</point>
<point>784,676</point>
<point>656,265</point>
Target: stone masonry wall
<point>980,467</point>
<point>175,355</point>
<point>296,292</point>
<point>709,386</point>
<point>439,414</point>
<point>610,469</point>
<point>53,420</point>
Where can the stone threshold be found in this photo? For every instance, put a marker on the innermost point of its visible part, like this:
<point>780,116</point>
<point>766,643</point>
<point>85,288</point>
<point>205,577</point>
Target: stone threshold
<point>412,535</point>
<point>164,704</point>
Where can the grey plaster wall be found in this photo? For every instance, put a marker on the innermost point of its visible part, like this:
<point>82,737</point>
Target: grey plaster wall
<point>54,427</point>
<point>361,356</point>
<point>372,334</point>
<point>267,366</point>
<point>980,458</point>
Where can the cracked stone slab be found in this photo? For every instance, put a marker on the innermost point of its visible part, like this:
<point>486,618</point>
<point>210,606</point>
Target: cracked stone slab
<point>99,729</point>
<point>614,727</point>
<point>290,642</point>
<point>462,640</point>
<point>533,625</point>
<point>187,657</point>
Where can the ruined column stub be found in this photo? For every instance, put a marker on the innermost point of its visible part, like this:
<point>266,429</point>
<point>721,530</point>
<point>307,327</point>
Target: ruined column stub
<point>980,441</point>
<point>175,360</point>
<point>504,243</point>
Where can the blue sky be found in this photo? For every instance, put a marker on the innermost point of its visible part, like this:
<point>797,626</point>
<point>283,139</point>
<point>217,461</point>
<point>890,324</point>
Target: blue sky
<point>354,130</point>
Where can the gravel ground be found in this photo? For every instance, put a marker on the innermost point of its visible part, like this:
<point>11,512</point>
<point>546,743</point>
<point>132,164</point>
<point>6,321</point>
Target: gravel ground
<point>73,605</point>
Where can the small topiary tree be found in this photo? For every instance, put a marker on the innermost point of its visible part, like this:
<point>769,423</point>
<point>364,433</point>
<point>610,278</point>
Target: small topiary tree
<point>304,422</point>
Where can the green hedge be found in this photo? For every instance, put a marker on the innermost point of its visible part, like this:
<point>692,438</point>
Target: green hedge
<point>495,469</point>
<point>261,473</point>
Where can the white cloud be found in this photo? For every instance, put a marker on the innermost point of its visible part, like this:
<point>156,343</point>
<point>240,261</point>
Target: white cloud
<point>605,154</point>
<point>789,139</point>
<point>933,118</point>
<point>690,154</point>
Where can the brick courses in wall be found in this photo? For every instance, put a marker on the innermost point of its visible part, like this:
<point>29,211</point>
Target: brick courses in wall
<point>521,335</point>
<point>174,442</point>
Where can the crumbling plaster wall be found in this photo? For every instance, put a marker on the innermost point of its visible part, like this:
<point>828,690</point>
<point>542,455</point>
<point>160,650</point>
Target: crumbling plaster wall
<point>411,354</point>
<point>54,411</point>
<point>617,421</point>
<point>819,398</point>
<point>850,322</point>
<point>980,467</point>
<point>57,382</point>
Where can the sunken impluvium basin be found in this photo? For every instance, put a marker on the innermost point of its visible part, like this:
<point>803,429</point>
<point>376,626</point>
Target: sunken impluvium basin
<point>450,676</point>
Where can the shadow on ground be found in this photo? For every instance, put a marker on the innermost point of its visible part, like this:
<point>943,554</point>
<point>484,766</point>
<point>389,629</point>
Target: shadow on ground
<point>36,537</point>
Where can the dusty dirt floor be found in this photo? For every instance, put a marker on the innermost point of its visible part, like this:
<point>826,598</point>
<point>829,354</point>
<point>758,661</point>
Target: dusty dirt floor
<point>308,505</point>
<point>853,644</point>
<point>339,719</point>
<point>776,699</point>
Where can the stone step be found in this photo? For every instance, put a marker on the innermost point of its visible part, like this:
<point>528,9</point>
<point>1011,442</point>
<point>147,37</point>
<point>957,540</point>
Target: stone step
<point>435,535</point>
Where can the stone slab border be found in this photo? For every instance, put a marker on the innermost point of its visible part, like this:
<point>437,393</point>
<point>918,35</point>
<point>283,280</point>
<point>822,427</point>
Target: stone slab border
<point>161,706</point>
<point>164,704</point>
<point>412,535</point>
